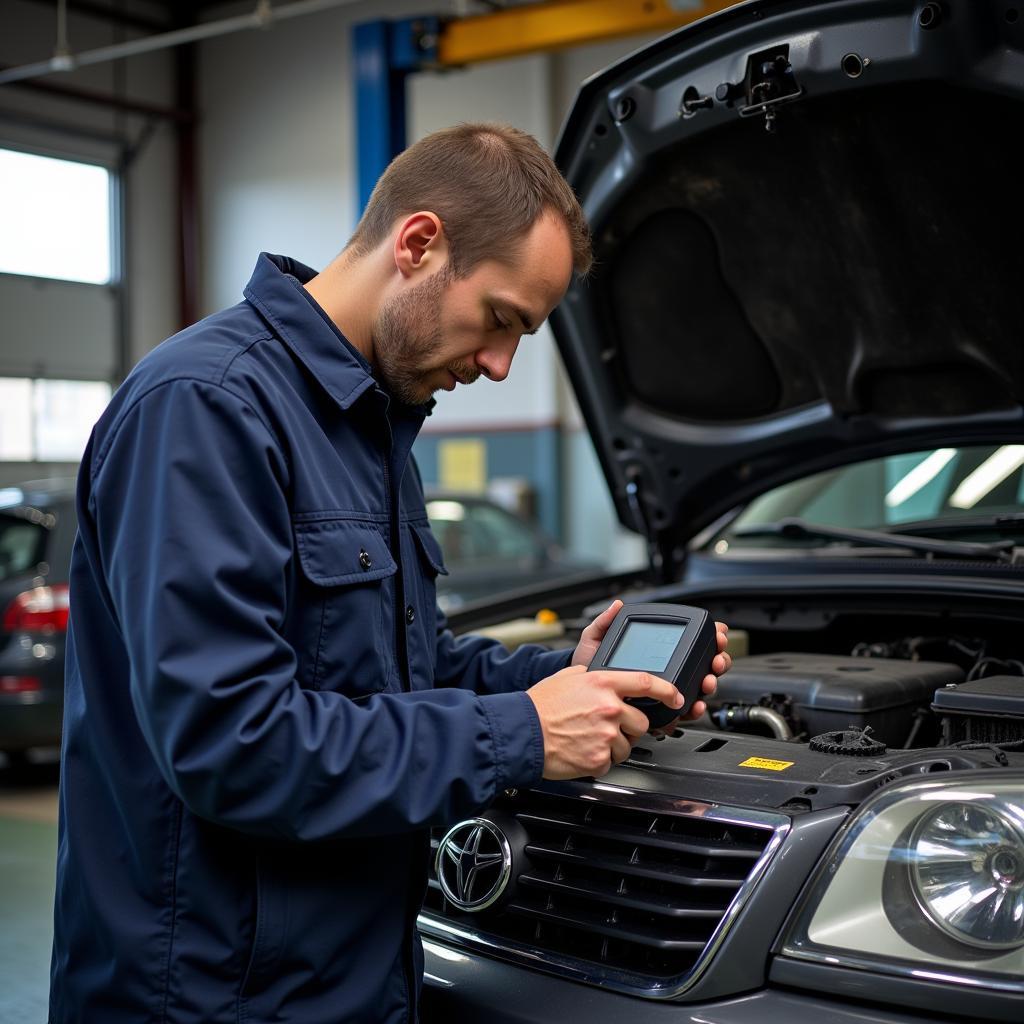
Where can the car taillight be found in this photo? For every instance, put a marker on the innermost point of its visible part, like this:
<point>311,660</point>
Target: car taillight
<point>39,610</point>
<point>20,684</point>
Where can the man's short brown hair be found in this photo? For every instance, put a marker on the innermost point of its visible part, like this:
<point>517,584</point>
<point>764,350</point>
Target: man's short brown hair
<point>487,182</point>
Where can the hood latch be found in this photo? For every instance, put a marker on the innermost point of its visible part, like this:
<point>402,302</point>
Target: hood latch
<point>768,83</point>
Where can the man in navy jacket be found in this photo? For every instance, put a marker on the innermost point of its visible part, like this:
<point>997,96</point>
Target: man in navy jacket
<point>265,712</point>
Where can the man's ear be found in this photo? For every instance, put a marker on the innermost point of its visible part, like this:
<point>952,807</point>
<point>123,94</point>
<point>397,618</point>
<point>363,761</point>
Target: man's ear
<point>420,244</point>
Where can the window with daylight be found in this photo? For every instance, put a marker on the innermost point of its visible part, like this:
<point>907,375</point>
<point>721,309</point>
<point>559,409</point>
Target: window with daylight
<point>55,218</point>
<point>48,420</point>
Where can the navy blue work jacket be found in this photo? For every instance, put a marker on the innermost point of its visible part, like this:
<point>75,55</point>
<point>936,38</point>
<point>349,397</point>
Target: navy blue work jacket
<point>265,711</point>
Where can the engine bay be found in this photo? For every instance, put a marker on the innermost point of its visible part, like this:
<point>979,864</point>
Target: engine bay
<point>842,696</point>
<point>825,702</point>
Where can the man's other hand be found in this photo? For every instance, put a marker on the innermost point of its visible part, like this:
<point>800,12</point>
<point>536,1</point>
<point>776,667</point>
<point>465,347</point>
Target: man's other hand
<point>590,641</point>
<point>587,725</point>
<point>591,637</point>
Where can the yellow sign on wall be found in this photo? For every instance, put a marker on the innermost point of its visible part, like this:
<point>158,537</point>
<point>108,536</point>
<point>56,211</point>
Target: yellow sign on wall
<point>462,464</point>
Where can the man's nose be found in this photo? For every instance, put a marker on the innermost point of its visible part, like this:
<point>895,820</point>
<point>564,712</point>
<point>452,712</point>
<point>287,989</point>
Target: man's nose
<point>496,360</point>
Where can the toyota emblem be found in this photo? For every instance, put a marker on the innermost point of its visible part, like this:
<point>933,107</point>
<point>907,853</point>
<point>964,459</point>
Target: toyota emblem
<point>473,865</point>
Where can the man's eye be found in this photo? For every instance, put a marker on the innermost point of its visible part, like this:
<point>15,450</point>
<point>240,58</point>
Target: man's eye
<point>498,322</point>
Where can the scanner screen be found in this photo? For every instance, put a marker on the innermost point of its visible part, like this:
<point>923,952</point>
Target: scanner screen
<point>647,646</point>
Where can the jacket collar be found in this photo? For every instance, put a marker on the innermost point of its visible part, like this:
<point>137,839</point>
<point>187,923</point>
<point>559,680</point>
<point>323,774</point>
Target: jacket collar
<point>340,369</point>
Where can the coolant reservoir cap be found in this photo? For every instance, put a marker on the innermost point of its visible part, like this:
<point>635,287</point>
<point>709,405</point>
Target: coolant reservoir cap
<point>850,742</point>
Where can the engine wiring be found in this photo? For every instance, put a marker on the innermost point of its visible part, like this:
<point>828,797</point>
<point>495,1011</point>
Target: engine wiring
<point>973,654</point>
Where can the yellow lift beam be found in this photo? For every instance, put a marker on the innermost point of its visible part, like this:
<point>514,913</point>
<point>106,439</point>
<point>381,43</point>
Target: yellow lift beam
<point>530,28</point>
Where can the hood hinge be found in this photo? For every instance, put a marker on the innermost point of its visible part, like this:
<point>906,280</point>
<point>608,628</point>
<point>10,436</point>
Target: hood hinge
<point>659,545</point>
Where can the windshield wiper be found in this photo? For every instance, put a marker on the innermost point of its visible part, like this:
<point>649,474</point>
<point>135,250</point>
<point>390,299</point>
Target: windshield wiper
<point>1009,523</point>
<point>799,529</point>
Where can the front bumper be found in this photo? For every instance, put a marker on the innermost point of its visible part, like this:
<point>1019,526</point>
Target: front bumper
<point>463,988</point>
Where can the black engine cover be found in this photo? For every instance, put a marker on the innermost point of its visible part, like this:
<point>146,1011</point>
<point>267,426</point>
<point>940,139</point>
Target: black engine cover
<point>830,692</point>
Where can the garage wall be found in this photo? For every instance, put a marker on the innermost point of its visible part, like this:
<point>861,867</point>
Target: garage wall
<point>35,336</point>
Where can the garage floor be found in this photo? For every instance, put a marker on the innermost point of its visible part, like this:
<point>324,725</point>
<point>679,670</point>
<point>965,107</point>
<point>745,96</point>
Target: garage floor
<point>28,851</point>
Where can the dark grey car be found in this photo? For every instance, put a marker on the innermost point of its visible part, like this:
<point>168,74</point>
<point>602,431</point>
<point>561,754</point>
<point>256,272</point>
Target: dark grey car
<point>488,550</point>
<point>807,226</point>
<point>37,531</point>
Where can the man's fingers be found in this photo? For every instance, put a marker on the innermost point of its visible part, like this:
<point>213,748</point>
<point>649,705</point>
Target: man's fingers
<point>598,628</point>
<point>709,685</point>
<point>571,670</point>
<point>633,721</point>
<point>643,684</point>
<point>697,709</point>
<point>604,620</point>
<point>621,746</point>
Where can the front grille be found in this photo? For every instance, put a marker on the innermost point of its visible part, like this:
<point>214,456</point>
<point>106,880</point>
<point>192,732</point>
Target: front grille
<point>612,889</point>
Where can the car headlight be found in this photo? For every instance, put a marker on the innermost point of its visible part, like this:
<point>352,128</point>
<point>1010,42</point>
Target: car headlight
<point>967,872</point>
<point>926,880</point>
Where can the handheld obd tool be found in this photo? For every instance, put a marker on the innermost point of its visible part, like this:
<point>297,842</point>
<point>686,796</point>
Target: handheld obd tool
<point>673,641</point>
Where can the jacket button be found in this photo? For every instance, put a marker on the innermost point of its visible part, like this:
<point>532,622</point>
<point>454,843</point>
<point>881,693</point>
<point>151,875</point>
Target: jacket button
<point>410,615</point>
<point>364,559</point>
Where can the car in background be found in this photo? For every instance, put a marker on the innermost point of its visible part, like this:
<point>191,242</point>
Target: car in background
<point>799,357</point>
<point>489,550</point>
<point>37,531</point>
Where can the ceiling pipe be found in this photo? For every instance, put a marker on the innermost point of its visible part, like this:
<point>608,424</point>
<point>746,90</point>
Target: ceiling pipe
<point>263,16</point>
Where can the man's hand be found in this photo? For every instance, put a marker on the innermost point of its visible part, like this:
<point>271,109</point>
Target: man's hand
<point>587,725</point>
<point>591,637</point>
<point>590,641</point>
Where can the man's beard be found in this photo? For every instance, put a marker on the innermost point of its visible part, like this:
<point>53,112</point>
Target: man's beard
<point>407,335</point>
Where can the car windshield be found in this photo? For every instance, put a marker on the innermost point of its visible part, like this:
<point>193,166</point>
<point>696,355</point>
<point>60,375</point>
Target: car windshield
<point>21,544</point>
<point>970,493</point>
<point>477,531</point>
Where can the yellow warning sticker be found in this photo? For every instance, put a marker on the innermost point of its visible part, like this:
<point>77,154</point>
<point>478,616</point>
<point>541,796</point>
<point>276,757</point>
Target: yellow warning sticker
<point>766,762</point>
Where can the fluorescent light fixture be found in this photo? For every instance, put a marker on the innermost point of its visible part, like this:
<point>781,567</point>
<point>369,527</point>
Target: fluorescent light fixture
<point>920,476</point>
<point>989,475</point>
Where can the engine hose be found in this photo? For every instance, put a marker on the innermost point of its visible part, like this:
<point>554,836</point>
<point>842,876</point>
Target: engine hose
<point>742,714</point>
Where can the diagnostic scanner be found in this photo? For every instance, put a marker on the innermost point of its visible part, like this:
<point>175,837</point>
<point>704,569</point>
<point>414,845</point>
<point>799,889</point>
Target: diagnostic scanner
<point>672,641</point>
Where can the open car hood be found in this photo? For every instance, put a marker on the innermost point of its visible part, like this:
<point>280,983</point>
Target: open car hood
<point>808,227</point>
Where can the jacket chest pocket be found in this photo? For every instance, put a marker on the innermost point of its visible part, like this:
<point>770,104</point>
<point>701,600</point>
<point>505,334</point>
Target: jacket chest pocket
<point>345,607</point>
<point>423,630</point>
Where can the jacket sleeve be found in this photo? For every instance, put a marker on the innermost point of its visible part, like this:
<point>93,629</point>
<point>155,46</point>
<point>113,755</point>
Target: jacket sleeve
<point>486,666</point>
<point>188,497</point>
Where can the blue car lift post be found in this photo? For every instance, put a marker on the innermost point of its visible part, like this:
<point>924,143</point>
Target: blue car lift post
<point>386,53</point>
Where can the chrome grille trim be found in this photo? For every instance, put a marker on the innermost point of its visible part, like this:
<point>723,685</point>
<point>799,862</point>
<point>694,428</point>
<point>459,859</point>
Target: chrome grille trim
<point>536,958</point>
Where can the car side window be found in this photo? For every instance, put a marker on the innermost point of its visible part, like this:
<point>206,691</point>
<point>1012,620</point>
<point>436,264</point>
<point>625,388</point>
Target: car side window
<point>19,547</point>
